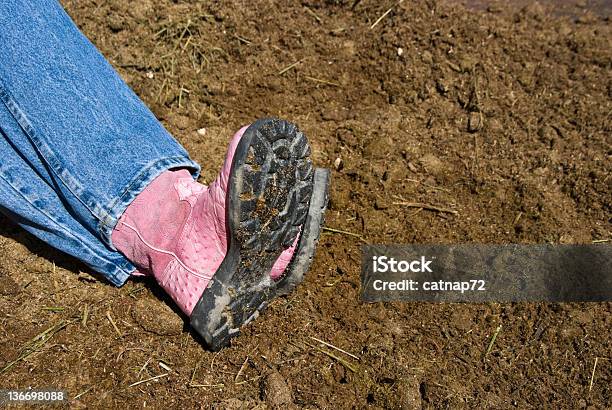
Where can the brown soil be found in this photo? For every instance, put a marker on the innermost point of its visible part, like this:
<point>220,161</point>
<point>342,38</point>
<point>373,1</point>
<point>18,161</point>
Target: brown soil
<point>502,114</point>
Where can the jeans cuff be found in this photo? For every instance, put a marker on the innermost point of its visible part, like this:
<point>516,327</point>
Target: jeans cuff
<point>149,172</point>
<point>119,273</point>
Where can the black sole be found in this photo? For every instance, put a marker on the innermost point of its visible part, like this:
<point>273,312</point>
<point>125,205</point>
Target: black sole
<point>269,192</point>
<point>309,237</point>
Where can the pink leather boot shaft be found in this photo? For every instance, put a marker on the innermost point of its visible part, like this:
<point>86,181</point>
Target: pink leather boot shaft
<point>176,231</point>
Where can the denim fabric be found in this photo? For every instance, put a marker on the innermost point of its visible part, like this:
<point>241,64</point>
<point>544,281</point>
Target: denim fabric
<point>76,144</point>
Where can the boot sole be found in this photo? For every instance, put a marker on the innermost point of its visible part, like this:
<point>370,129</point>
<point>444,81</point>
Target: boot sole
<point>309,237</point>
<point>269,190</point>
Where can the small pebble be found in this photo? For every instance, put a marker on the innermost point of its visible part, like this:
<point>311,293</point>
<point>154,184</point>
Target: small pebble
<point>474,122</point>
<point>338,164</point>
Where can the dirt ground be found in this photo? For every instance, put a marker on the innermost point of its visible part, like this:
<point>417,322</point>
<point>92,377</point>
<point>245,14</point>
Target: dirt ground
<point>500,113</point>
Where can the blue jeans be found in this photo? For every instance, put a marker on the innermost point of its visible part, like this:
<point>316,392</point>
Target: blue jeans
<point>76,144</point>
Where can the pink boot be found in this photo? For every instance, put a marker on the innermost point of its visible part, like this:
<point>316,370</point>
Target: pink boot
<point>221,252</point>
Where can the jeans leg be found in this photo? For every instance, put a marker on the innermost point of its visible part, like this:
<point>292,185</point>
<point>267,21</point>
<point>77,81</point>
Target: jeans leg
<point>27,198</point>
<point>85,134</point>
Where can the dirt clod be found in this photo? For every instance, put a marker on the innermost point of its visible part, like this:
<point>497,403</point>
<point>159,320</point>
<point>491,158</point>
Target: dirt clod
<point>276,391</point>
<point>432,164</point>
<point>408,392</point>
<point>8,286</point>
